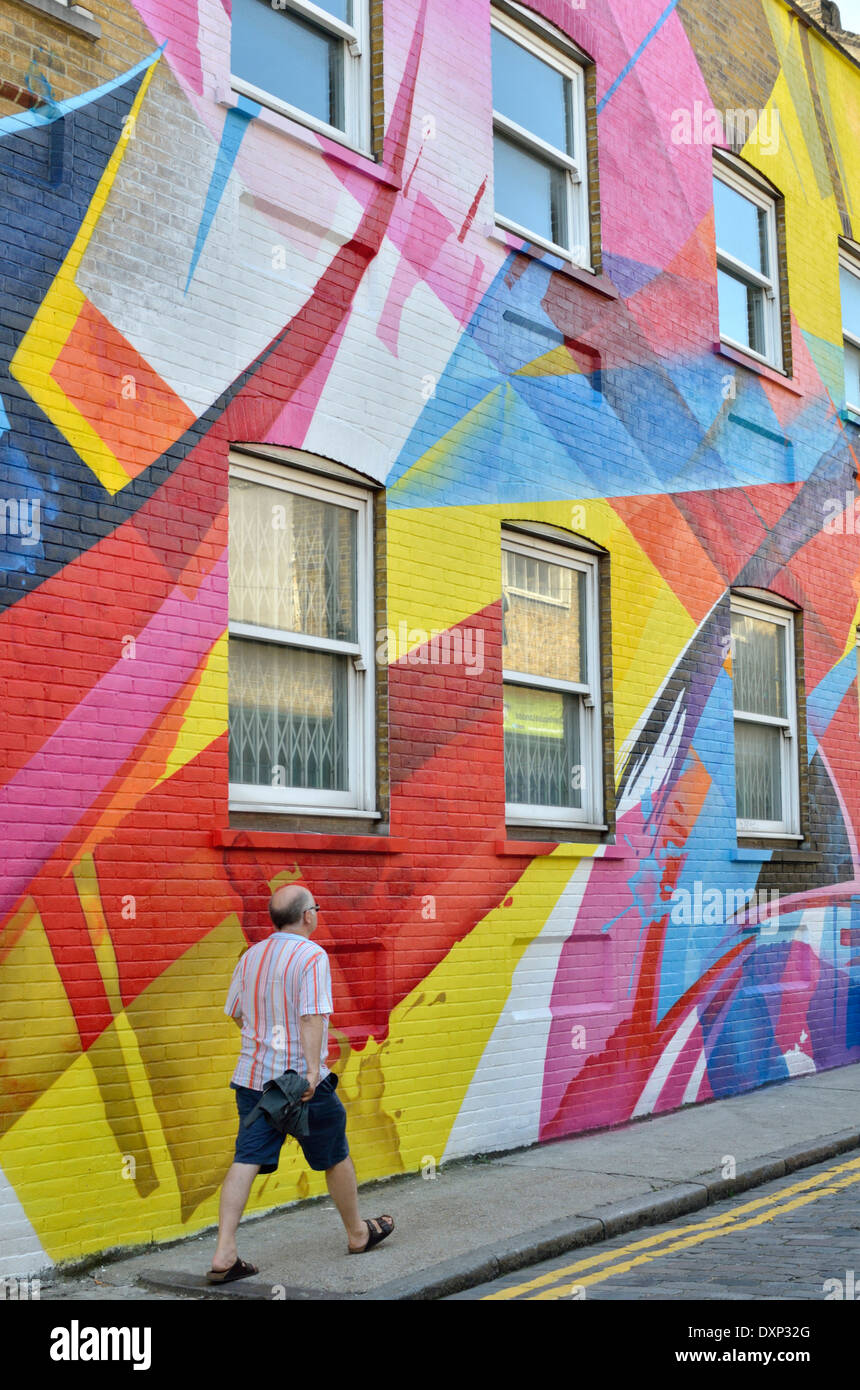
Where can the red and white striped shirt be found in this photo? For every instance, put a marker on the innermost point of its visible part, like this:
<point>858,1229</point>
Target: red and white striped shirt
<point>274,983</point>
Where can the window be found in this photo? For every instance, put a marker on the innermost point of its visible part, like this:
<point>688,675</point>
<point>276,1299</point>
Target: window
<point>310,61</point>
<point>766,759</point>
<point>550,655</point>
<point>301,642</point>
<point>849,286</point>
<point>540,155</point>
<point>747,266</point>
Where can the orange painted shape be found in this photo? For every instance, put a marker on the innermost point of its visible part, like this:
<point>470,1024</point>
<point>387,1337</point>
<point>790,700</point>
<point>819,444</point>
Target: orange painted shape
<point>134,411</point>
<point>674,550</point>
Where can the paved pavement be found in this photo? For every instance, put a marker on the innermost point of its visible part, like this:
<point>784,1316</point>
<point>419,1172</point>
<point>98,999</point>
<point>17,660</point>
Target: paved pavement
<point>480,1219</point>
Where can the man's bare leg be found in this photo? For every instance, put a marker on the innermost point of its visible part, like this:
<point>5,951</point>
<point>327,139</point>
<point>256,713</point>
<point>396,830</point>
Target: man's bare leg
<point>235,1192</point>
<point>343,1189</point>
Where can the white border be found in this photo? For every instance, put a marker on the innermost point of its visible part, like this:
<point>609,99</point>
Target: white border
<point>575,169</point>
<point>356,75</point>
<point>590,814</point>
<point>789,826</point>
<point>748,188</point>
<point>360,797</point>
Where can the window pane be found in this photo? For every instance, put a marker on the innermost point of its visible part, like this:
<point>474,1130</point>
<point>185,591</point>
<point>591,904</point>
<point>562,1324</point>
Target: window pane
<point>341,9</point>
<point>852,375</point>
<point>290,58</point>
<point>532,93</point>
<point>741,312</point>
<point>741,227</point>
<point>288,716</point>
<point>849,288</point>
<point>758,756</point>
<point>543,612</point>
<point>530,192</point>
<point>543,762</point>
<point>758,666</point>
<point>292,562</point>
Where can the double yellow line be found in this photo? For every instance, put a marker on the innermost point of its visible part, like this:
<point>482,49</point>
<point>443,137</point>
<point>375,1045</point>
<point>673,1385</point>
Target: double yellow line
<point>563,1283</point>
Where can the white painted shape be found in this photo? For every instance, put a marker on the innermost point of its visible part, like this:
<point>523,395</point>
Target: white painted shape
<point>671,1052</point>
<point>691,1093</point>
<point>799,1063</point>
<point>238,300</point>
<point>21,1251</point>
<point>372,399</point>
<point>501,1108</point>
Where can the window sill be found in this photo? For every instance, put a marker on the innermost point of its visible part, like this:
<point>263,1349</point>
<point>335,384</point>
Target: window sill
<point>530,849</point>
<point>787,852</point>
<point>72,17</point>
<point>324,844</point>
<point>743,359</point>
<point>601,284</point>
<point>285,123</point>
<point>850,415</point>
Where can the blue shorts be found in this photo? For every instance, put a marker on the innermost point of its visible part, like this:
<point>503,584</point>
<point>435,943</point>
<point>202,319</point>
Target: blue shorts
<point>325,1146</point>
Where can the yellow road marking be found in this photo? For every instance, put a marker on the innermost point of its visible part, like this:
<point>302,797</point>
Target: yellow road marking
<point>681,1238</point>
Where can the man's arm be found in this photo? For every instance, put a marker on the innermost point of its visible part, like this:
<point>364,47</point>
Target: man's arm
<point>311,1033</point>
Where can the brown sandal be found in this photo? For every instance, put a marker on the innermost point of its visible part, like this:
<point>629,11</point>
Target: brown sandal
<point>386,1226</point>
<point>240,1270</point>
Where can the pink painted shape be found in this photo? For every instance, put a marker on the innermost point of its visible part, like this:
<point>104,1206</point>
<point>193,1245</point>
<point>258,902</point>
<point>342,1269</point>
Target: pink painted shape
<point>48,797</point>
<point>647,219</point>
<point>681,1071</point>
<point>178,26</point>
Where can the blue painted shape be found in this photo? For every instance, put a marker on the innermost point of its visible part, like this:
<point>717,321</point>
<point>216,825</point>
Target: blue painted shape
<point>629,276</point>
<point>25,120</point>
<point>4,418</point>
<point>823,702</point>
<point>235,124</point>
<point>636,55</point>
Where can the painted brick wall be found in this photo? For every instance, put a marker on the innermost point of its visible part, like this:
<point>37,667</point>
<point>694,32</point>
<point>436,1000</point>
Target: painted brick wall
<point>185,274</point>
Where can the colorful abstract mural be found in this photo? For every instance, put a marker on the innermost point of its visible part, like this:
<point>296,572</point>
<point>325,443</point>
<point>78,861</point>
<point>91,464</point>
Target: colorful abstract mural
<point>189,271</point>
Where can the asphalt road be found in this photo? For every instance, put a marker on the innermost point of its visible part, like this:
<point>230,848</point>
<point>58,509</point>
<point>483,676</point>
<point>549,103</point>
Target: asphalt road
<point>797,1238</point>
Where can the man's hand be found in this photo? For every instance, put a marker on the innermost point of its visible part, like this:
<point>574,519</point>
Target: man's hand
<point>311,1032</point>
<point>313,1082</point>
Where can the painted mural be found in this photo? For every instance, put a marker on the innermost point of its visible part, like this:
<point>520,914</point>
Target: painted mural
<point>182,275</point>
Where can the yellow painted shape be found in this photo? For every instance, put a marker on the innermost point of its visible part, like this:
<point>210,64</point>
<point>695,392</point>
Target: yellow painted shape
<point>178,1050</point>
<point>431,588</point>
<point>205,717</point>
<point>438,1033</point>
<point>87,884</point>
<point>55,319</point>
<point>558,362</point>
<point>285,876</point>
<point>38,1035</point>
<point>799,167</point>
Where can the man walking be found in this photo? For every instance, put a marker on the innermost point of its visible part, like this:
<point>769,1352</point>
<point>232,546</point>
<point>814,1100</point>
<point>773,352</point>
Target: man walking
<point>280,996</point>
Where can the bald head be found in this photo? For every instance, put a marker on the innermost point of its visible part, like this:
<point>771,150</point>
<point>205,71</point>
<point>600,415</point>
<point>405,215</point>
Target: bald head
<point>288,905</point>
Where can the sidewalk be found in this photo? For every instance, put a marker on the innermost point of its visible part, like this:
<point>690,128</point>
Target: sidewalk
<point>484,1217</point>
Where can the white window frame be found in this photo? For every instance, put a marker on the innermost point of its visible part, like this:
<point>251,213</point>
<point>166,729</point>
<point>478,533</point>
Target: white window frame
<point>789,827</point>
<point>360,796</point>
<point>356,74</point>
<point>741,182</point>
<point>850,340</point>
<point>576,171</point>
<point>590,814</point>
